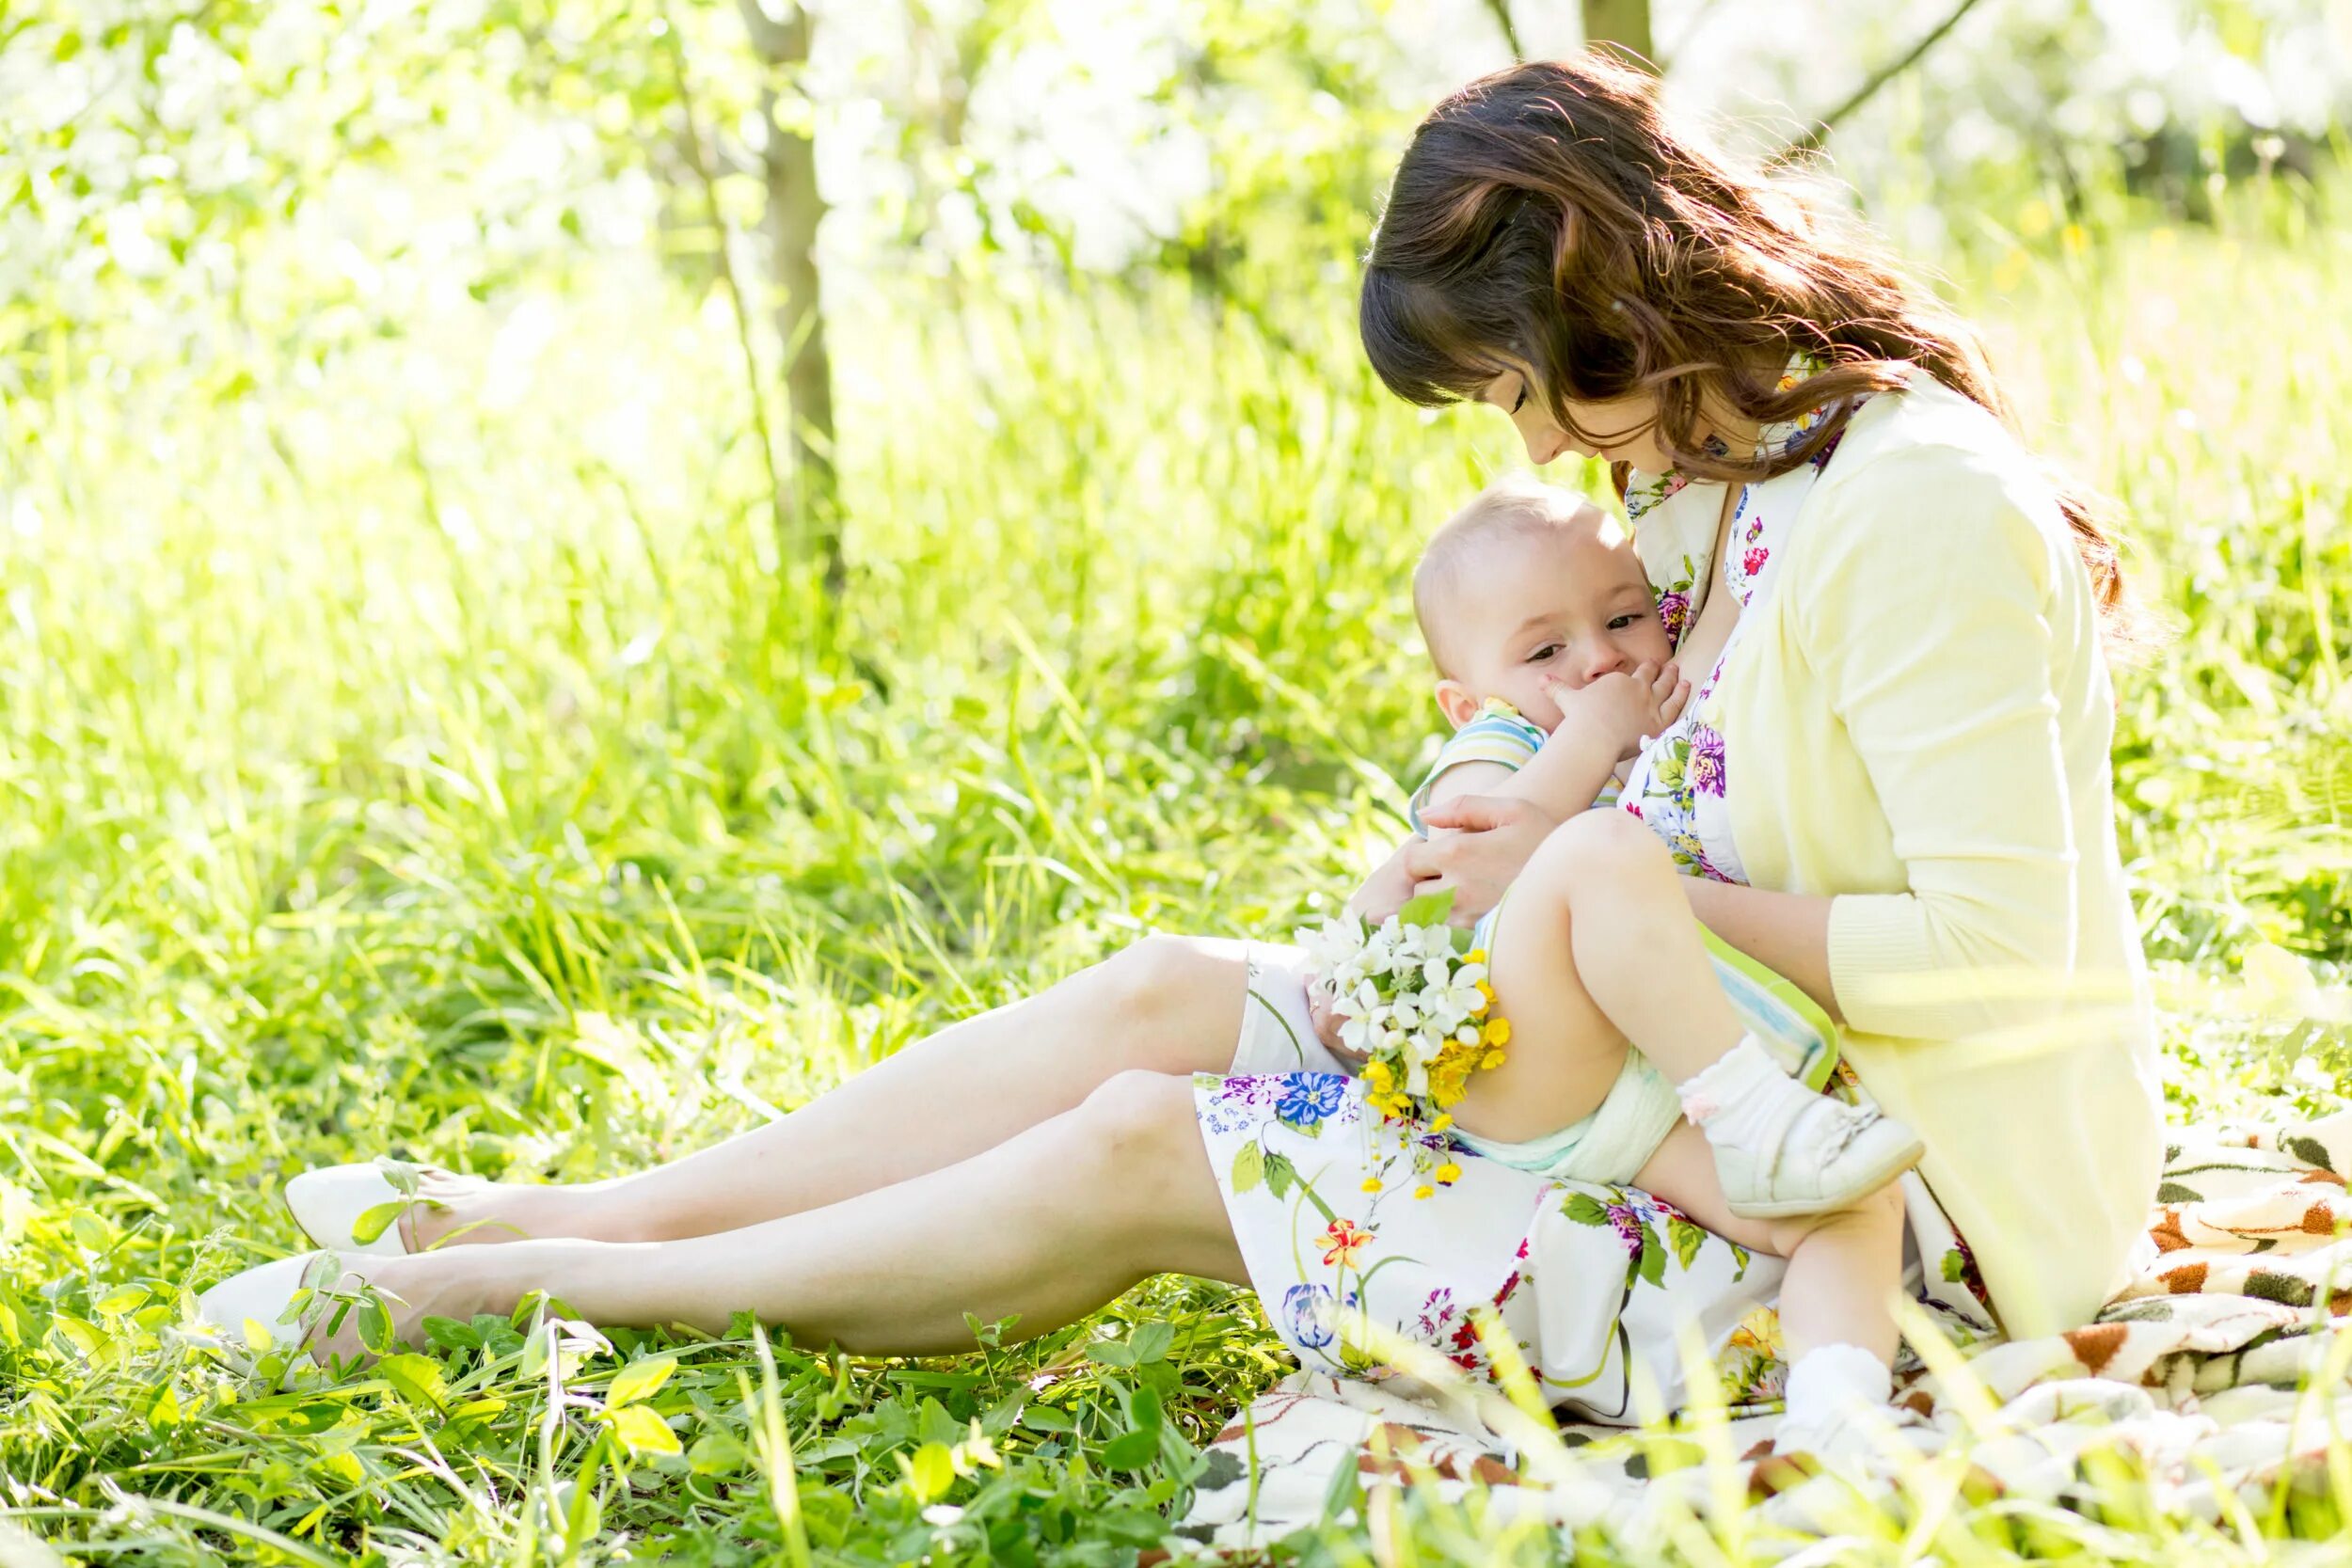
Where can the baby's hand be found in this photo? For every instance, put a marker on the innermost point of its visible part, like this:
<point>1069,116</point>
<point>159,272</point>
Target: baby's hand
<point>1625,707</point>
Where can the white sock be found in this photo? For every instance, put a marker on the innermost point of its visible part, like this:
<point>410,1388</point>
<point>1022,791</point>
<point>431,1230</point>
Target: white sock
<point>1831,1384</point>
<point>1743,1098</point>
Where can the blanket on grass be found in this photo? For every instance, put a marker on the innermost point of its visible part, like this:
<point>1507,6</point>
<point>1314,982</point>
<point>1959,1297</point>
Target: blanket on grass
<point>2214,1387</point>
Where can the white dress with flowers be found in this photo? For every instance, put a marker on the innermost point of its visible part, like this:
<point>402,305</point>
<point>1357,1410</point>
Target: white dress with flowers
<point>1610,1296</point>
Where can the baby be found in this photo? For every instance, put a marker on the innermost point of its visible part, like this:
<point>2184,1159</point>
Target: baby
<point>1627,1063</point>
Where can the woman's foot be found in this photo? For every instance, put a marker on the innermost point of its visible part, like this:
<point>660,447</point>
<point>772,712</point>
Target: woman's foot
<point>335,1310</point>
<point>388,1208</point>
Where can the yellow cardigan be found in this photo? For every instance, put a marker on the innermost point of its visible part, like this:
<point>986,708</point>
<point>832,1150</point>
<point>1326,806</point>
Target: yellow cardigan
<point>1918,724</point>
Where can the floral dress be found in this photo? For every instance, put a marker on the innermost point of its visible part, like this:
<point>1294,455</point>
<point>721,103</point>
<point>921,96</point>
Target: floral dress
<point>1598,1289</point>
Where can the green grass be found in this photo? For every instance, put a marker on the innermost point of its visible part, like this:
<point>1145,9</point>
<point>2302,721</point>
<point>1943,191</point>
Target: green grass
<point>395,758</point>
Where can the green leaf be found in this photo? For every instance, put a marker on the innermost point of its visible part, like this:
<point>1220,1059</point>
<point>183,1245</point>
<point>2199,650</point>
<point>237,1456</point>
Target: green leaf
<point>1132,1451</point>
<point>121,1301</point>
<point>639,1380</point>
<point>1651,1267</point>
<point>1687,1239</point>
<point>2310,1150</point>
<point>1584,1209</point>
<point>1280,1174</point>
<point>1152,1341</point>
<point>372,1222</point>
<point>417,1378</point>
<point>718,1453</point>
<point>1046,1419</point>
<point>1111,1352</point>
<point>643,1429</point>
<point>1248,1167</point>
<point>375,1324</point>
<point>930,1470</point>
<point>1430,908</point>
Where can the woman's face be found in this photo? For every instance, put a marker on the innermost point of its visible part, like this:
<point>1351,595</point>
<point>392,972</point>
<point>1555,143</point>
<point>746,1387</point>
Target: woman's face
<point>1622,429</point>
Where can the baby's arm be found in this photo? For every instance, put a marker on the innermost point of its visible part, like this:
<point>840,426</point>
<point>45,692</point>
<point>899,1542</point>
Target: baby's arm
<point>1601,723</point>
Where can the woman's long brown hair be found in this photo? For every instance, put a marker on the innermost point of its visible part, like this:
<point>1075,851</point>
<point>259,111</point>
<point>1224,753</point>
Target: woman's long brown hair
<point>1550,219</point>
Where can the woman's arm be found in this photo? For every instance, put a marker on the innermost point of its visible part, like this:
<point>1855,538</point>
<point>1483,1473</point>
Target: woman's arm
<point>1788,932</point>
<point>1931,603</point>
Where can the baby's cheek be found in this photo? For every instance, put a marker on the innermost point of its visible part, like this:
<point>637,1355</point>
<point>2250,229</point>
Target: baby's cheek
<point>1535,704</point>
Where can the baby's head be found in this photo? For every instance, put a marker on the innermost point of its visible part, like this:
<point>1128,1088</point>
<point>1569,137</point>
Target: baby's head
<point>1526,584</point>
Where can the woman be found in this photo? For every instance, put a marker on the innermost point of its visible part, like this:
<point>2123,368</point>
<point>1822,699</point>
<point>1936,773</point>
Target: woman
<point>1915,731</point>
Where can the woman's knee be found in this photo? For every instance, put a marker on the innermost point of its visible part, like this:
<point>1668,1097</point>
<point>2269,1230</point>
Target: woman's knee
<point>1137,1120</point>
<point>1177,1002</point>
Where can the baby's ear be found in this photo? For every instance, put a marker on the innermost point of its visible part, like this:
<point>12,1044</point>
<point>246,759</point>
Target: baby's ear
<point>1459,703</point>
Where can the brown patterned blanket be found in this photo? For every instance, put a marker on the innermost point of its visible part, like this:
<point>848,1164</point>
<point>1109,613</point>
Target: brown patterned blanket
<point>2210,1388</point>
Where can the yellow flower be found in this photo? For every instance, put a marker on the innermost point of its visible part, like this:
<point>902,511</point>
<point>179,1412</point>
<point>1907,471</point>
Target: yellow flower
<point>1424,1190</point>
<point>1379,1075</point>
<point>1372,1183</point>
<point>1448,1173</point>
<point>1499,1031</point>
<point>1441,1123</point>
<point>1476,956</point>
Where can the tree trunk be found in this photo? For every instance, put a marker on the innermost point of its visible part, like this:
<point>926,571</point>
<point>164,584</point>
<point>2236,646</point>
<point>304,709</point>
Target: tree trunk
<point>1623,23</point>
<point>794,209</point>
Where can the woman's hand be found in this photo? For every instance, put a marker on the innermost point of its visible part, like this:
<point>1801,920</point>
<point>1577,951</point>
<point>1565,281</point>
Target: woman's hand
<point>1326,1026</point>
<point>1385,891</point>
<point>1492,838</point>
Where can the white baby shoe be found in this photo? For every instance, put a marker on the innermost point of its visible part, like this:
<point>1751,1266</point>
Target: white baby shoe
<point>1819,1156</point>
<point>336,1205</point>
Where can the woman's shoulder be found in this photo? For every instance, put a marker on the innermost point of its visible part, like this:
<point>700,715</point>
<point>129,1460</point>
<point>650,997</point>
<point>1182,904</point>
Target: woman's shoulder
<point>1930,427</point>
<point>1933,477</point>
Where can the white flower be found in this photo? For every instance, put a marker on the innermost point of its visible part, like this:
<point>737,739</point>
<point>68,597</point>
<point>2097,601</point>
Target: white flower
<point>1334,942</point>
<point>1408,1011</point>
<point>1355,1034</point>
<point>1454,1002</point>
<point>1467,1034</point>
<point>1433,942</point>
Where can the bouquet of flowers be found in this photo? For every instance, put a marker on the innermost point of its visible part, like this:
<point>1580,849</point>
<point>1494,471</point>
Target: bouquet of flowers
<point>1413,997</point>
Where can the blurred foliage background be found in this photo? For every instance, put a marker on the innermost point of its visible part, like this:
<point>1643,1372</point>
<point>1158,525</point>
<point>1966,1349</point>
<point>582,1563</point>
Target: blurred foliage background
<point>570,573</point>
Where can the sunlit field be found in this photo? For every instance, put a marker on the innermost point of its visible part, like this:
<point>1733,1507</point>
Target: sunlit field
<point>436,750</point>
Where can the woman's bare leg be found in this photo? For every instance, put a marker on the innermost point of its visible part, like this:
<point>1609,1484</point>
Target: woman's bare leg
<point>1049,1224</point>
<point>1595,948</point>
<point>1166,1005</point>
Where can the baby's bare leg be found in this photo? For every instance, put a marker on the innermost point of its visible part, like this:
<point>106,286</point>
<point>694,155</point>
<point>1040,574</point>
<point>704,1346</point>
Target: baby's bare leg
<point>1843,1267</point>
<point>1596,945</point>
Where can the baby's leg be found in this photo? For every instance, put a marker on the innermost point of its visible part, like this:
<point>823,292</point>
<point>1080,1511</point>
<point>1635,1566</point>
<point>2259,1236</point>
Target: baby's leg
<point>1843,1267</point>
<point>1603,892</point>
<point>1594,944</point>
